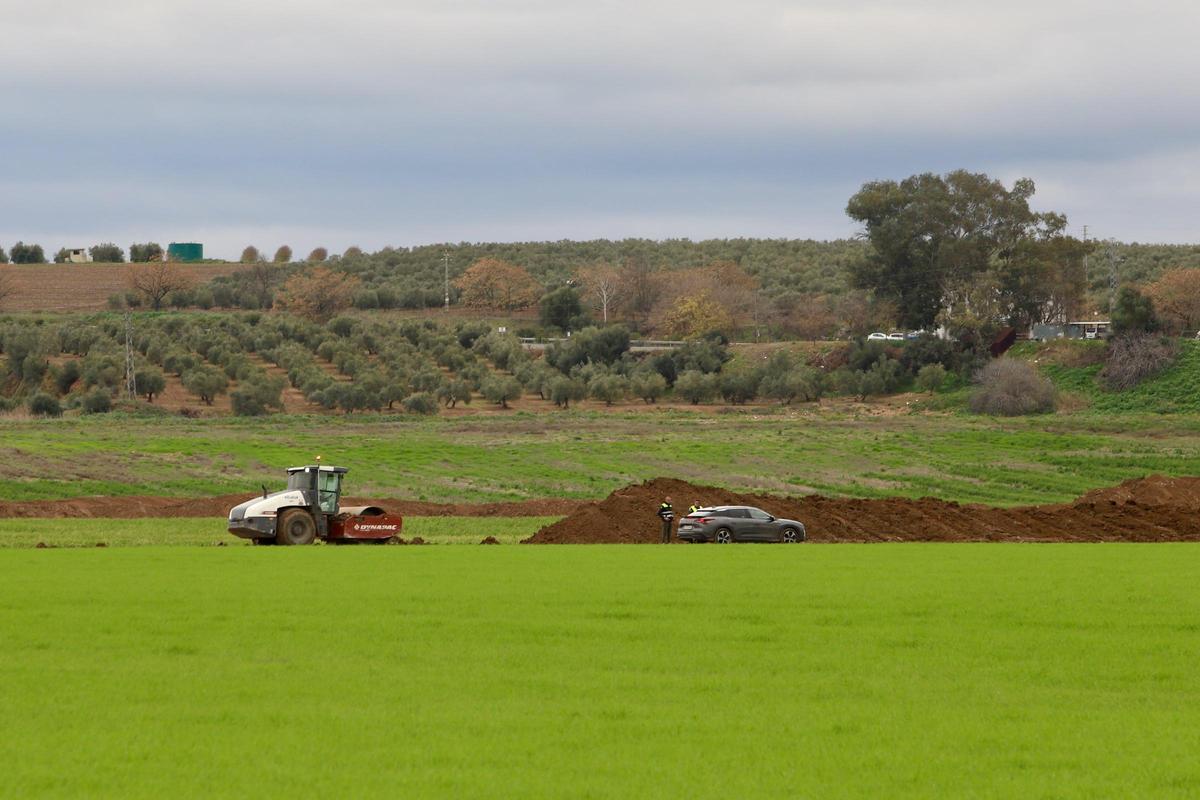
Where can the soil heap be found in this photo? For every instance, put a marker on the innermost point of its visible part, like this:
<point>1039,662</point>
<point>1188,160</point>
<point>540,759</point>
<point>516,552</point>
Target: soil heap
<point>1153,509</point>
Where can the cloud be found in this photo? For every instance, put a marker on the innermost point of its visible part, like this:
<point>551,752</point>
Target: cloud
<point>464,119</point>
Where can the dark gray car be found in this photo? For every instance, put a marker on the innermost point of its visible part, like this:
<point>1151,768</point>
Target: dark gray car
<point>728,524</point>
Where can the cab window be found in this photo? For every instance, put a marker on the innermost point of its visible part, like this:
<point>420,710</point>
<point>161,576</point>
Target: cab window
<point>328,484</point>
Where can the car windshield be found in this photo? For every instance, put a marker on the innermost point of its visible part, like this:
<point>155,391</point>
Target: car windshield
<point>299,481</point>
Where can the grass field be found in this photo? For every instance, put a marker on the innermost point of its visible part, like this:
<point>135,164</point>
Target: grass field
<point>196,531</point>
<point>853,671</point>
<point>586,455</point>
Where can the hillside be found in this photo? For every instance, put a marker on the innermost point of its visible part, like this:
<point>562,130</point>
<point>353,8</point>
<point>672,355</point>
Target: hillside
<point>1176,390</point>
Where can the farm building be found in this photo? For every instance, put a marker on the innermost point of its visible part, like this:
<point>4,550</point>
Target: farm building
<point>1093,329</point>
<point>78,255</point>
<point>185,251</point>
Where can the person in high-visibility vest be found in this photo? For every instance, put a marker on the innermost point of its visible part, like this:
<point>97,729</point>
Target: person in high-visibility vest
<point>666,513</point>
<point>695,507</point>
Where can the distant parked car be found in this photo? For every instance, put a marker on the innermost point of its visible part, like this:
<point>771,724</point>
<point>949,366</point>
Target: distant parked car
<point>914,335</point>
<point>895,337</point>
<point>877,337</point>
<point>729,524</point>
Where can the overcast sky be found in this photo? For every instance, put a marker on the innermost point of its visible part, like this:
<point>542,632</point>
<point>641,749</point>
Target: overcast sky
<point>375,122</point>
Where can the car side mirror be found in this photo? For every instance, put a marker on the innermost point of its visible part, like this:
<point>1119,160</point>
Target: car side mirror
<point>770,518</point>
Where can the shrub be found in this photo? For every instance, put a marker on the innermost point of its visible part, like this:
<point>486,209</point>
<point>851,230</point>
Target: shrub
<point>695,386</point>
<point>500,390</point>
<point>563,390</point>
<point>65,376</point>
<point>559,308</point>
<point>149,381</point>
<point>97,401</point>
<point>597,345</point>
<point>366,299</point>
<point>421,403</point>
<point>257,397</point>
<point>1134,313</point>
<point>454,392</point>
<point>1133,358</point>
<point>799,383</point>
<point>1010,388</point>
<point>648,385</point>
<point>178,362</point>
<point>931,377</point>
<point>205,382</point>
<point>739,386</point>
<point>609,388</point>
<point>43,405</point>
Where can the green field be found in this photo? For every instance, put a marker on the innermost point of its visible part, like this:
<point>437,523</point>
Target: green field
<point>198,531</point>
<point>587,455</point>
<point>852,671</point>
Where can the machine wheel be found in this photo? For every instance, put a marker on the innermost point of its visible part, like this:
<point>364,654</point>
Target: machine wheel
<point>724,536</point>
<point>295,526</point>
<point>791,536</point>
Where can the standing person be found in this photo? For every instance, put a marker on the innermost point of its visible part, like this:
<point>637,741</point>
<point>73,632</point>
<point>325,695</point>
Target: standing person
<point>666,513</point>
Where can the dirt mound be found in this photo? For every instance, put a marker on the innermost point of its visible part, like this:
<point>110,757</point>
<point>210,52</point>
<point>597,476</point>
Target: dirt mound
<point>133,507</point>
<point>490,540</point>
<point>1154,490</point>
<point>1127,513</point>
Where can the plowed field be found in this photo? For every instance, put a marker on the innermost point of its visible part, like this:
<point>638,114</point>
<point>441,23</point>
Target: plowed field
<point>83,287</point>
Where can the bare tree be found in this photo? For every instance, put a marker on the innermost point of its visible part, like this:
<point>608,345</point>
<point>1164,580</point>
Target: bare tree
<point>641,285</point>
<point>602,287</point>
<point>262,278</point>
<point>156,279</point>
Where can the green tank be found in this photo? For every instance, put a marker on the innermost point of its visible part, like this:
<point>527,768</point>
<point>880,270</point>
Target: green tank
<point>185,251</point>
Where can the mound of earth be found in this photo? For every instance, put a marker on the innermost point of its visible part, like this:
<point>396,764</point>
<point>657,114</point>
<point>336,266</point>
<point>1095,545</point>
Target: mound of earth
<point>133,507</point>
<point>1155,490</point>
<point>1143,510</point>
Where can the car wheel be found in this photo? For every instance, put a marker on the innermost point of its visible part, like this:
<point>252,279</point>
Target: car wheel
<point>791,536</point>
<point>724,536</point>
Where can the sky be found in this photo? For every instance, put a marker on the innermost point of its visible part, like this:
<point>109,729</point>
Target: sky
<point>395,122</point>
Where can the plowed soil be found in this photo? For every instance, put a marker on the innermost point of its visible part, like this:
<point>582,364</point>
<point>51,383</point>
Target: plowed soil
<point>140,506</point>
<point>84,287</point>
<point>1153,509</point>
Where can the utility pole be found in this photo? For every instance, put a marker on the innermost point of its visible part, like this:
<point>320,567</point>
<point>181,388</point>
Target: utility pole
<point>130,384</point>
<point>1086,276</point>
<point>446,271</point>
<point>1113,277</point>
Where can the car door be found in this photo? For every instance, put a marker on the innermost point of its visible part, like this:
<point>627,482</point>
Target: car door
<point>760,526</point>
<point>736,520</point>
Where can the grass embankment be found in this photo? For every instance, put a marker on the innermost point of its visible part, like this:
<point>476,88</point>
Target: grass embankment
<point>914,671</point>
<point>190,531</point>
<point>587,455</point>
<point>1175,391</point>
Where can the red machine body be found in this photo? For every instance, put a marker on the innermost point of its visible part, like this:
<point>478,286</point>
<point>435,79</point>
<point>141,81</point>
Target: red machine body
<point>364,523</point>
